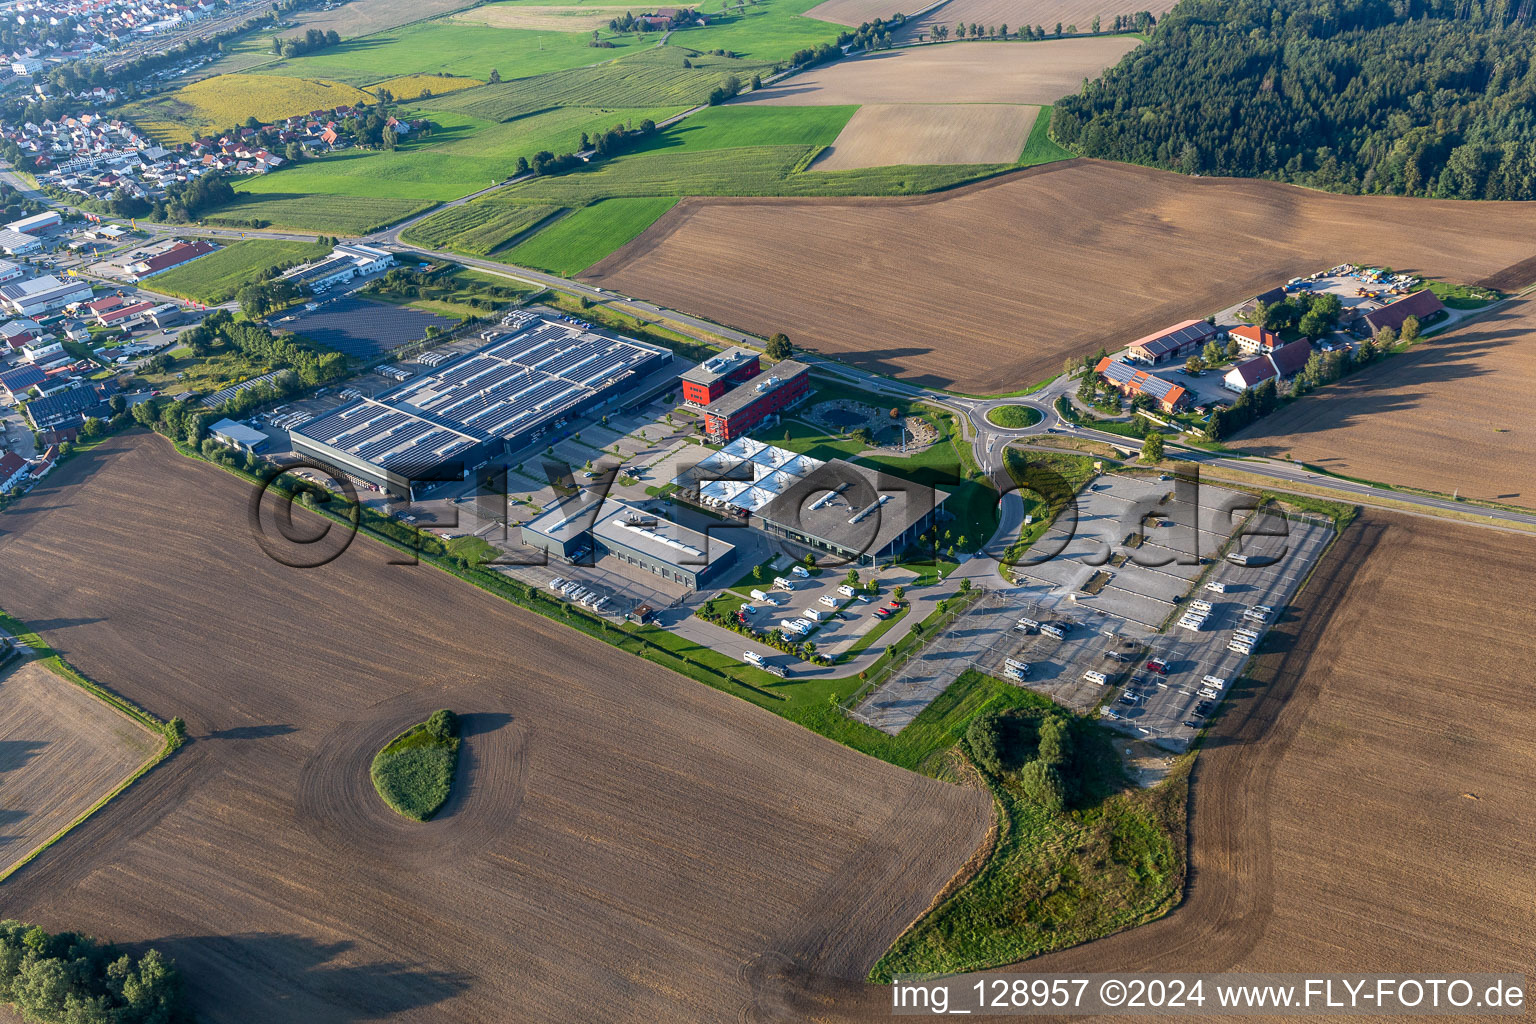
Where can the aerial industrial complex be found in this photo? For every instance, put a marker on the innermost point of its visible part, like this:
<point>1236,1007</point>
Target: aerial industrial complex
<point>527,377</point>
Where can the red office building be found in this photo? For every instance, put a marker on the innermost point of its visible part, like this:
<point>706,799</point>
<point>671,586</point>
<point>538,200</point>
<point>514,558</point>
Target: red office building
<point>712,378</point>
<point>770,392</point>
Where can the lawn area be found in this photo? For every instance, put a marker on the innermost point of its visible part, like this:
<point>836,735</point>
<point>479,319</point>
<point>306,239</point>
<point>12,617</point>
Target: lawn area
<point>331,215</point>
<point>1114,857</point>
<point>574,243</point>
<point>463,155</point>
<point>1014,417</point>
<point>1462,296</point>
<point>215,278</point>
<point>1047,482</point>
<point>414,771</point>
<point>447,47</point>
<point>1039,148</point>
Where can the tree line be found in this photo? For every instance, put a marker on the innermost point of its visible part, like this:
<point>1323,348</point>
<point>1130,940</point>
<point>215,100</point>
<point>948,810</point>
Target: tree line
<point>310,41</point>
<point>612,142</point>
<point>69,978</point>
<point>1407,97</point>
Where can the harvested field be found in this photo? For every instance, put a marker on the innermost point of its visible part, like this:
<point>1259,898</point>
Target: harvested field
<point>623,844</point>
<point>61,750</point>
<point>883,135</point>
<point>1037,73</point>
<point>1045,13</point>
<point>414,87</point>
<point>853,12</point>
<point>1060,259</point>
<point>361,19</point>
<point>1404,739</point>
<point>542,17</point>
<point>1449,415</point>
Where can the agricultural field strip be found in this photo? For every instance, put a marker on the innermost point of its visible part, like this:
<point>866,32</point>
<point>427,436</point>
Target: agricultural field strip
<point>61,750</point>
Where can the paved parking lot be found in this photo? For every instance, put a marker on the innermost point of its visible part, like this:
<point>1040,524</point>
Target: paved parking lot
<point>1136,544</point>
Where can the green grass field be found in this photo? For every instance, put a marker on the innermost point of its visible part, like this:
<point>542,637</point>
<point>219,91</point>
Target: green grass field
<point>215,278</point>
<point>733,127</point>
<point>574,243</point>
<point>649,78</point>
<point>453,48</point>
<point>1014,416</point>
<point>477,228</point>
<point>331,215</point>
<point>464,155</point>
<point>769,30</point>
<point>1039,147</point>
<point>414,771</point>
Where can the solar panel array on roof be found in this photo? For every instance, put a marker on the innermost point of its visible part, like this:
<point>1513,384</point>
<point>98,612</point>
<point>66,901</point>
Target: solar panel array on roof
<point>1125,375</point>
<point>1190,332</point>
<point>518,381</point>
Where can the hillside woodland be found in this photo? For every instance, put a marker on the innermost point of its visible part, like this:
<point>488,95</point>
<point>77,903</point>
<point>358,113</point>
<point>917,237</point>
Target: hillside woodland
<point>1408,97</point>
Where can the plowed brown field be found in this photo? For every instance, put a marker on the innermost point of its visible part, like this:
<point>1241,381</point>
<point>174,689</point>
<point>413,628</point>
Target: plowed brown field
<point>624,844</point>
<point>987,288</point>
<point>974,73</point>
<point>1451,415</point>
<point>61,750</point>
<point>892,134</point>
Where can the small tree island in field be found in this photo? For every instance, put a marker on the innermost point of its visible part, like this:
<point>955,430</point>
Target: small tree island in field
<point>414,771</point>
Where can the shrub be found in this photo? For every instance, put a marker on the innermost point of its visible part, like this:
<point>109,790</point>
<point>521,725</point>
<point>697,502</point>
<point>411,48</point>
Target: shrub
<point>1043,784</point>
<point>443,725</point>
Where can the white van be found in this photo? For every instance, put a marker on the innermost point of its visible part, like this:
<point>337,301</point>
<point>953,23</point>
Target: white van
<point>1053,630</point>
<point>782,583</point>
<point>812,614</point>
<point>1217,681</point>
<point>1200,606</point>
<point>845,590</point>
<point>758,595</point>
<point>802,572</point>
<point>1096,677</point>
<point>828,600</point>
<point>1216,586</point>
<point>1027,625</point>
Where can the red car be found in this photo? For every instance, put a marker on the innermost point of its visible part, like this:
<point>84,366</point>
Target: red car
<point>1160,667</point>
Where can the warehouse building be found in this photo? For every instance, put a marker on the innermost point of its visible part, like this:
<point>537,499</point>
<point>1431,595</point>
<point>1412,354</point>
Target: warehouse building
<point>69,408</point>
<point>172,256</point>
<point>43,295</point>
<point>767,394</point>
<point>37,224</point>
<point>1424,305</point>
<point>343,264</point>
<point>523,382</point>
<point>1169,396</point>
<point>577,529</point>
<point>716,375</point>
<point>1174,343</point>
<point>234,434</point>
<point>858,514</point>
<point>16,243</point>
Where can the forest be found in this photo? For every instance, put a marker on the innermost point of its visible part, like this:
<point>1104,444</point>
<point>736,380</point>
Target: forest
<point>1406,97</point>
